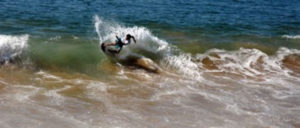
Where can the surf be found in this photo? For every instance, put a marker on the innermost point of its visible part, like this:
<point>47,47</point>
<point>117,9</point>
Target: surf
<point>12,48</point>
<point>242,83</point>
<point>141,54</point>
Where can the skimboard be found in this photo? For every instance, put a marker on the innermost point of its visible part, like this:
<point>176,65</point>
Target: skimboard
<point>131,59</point>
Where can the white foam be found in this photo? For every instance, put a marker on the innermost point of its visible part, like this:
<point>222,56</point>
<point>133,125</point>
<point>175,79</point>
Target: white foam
<point>49,77</point>
<point>291,36</point>
<point>250,62</point>
<point>107,32</point>
<point>55,38</point>
<point>56,98</point>
<point>283,52</point>
<point>22,93</point>
<point>97,86</point>
<point>183,64</point>
<point>12,46</point>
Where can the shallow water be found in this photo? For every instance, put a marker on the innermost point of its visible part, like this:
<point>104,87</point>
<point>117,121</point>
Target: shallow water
<point>218,67</point>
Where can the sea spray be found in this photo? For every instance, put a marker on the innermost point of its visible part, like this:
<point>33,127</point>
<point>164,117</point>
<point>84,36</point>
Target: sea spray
<point>107,32</point>
<point>12,46</point>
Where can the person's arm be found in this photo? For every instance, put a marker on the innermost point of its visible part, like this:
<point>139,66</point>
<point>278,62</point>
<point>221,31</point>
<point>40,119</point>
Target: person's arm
<point>117,37</point>
<point>133,39</point>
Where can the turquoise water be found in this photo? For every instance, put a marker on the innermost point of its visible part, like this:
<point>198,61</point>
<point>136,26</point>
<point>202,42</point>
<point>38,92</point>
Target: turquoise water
<point>228,63</point>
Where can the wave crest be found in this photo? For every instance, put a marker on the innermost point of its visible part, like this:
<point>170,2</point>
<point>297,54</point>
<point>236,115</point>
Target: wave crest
<point>12,46</point>
<point>146,41</point>
<point>243,62</point>
<point>291,37</point>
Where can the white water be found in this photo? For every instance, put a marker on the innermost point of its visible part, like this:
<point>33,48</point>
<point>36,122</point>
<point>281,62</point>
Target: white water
<point>12,46</point>
<point>291,36</point>
<point>146,41</point>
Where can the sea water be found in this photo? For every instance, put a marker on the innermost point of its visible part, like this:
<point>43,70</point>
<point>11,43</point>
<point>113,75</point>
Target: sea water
<point>227,64</point>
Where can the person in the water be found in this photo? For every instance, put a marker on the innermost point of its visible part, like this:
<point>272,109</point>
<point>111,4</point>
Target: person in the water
<point>119,43</point>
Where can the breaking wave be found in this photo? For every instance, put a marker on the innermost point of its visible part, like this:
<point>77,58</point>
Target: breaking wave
<point>12,46</point>
<point>291,37</point>
<point>243,62</point>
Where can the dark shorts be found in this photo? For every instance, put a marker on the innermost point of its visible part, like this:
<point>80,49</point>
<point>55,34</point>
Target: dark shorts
<point>119,44</point>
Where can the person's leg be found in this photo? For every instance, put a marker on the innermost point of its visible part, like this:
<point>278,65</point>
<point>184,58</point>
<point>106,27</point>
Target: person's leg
<point>110,44</point>
<point>103,45</point>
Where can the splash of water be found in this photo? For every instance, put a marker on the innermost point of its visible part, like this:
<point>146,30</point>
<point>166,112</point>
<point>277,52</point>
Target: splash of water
<point>107,32</point>
<point>12,46</point>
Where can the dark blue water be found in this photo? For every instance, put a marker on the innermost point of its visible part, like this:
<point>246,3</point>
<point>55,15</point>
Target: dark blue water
<point>229,17</point>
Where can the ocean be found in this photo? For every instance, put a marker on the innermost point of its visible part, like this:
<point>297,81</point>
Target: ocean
<point>216,64</point>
